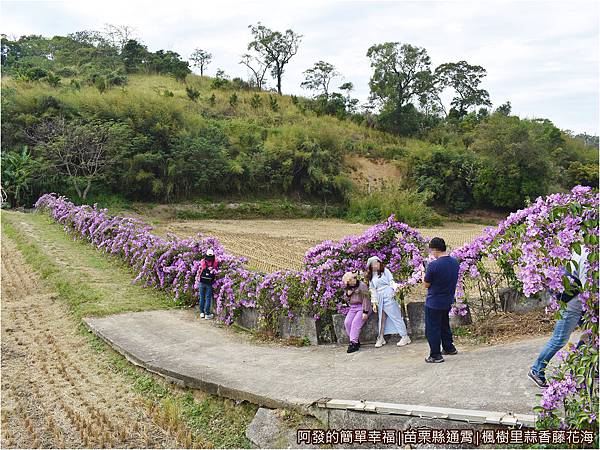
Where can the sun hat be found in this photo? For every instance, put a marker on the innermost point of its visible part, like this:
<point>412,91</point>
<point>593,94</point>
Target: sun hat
<point>371,260</point>
<point>210,252</point>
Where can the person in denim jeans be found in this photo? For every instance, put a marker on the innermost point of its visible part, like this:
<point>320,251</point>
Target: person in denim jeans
<point>570,319</point>
<point>208,267</point>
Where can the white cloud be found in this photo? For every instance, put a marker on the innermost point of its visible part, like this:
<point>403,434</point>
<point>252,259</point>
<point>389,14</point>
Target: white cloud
<point>540,55</point>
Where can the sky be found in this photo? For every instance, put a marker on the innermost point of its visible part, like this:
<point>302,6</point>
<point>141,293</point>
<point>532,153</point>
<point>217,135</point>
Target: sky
<point>542,56</point>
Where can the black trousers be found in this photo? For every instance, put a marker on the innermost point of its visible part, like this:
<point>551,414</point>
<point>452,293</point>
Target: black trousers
<point>437,330</point>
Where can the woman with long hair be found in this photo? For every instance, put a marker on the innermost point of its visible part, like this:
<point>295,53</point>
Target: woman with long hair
<point>383,288</point>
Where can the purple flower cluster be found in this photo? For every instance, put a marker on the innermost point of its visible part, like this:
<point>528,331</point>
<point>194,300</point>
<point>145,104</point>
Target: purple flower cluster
<point>173,264</point>
<point>536,242</point>
<point>534,245</point>
<point>557,391</point>
<point>168,263</point>
<point>400,247</point>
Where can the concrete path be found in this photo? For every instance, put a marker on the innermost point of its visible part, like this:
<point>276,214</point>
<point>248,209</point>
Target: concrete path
<point>203,355</point>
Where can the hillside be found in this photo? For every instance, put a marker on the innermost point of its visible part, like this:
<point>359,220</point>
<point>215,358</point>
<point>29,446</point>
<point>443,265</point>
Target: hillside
<point>161,134</point>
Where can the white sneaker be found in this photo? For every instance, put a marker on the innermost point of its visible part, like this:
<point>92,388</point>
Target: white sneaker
<point>404,341</point>
<point>380,342</point>
<point>208,316</point>
<point>202,315</point>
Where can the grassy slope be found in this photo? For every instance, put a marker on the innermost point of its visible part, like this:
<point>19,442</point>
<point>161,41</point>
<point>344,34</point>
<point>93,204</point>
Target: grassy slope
<point>144,93</point>
<point>91,283</point>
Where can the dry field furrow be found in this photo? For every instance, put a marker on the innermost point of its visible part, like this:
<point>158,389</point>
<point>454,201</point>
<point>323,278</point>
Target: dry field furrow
<point>56,391</point>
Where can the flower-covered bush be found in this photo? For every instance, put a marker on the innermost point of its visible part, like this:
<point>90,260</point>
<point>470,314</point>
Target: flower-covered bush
<point>537,243</point>
<point>173,264</point>
<point>395,243</point>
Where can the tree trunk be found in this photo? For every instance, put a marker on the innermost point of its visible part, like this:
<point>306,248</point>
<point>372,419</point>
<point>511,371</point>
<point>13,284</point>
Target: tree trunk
<point>87,189</point>
<point>279,82</point>
<point>77,189</point>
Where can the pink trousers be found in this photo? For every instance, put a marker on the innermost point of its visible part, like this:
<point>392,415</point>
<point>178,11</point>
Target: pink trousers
<point>354,322</point>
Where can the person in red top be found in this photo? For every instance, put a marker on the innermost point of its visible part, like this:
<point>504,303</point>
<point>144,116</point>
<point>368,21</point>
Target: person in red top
<point>208,271</point>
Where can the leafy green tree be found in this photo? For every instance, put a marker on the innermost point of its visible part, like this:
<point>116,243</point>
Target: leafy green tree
<point>221,80</point>
<point>504,109</point>
<point>134,56</point>
<point>401,74</point>
<point>318,78</point>
<point>168,62</point>
<point>275,48</point>
<point>351,103</point>
<point>273,103</point>
<point>449,175</point>
<point>255,101</point>
<point>584,174</point>
<point>201,59</point>
<point>212,100</point>
<point>516,164</point>
<point>53,80</point>
<point>464,79</point>
<point>199,162</point>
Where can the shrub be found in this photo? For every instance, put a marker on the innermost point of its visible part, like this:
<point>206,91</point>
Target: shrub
<point>408,206</point>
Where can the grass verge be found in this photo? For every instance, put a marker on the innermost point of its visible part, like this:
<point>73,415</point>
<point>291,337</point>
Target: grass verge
<point>213,421</point>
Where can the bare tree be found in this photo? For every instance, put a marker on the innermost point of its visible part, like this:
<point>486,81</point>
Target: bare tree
<point>118,35</point>
<point>201,59</point>
<point>258,68</point>
<point>81,152</point>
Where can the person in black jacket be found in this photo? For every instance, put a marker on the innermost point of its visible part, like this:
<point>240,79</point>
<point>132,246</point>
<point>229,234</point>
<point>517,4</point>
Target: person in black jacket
<point>208,270</point>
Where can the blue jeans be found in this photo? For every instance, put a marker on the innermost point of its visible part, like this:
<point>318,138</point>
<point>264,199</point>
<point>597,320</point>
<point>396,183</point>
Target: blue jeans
<point>206,292</point>
<point>569,320</point>
<point>437,331</point>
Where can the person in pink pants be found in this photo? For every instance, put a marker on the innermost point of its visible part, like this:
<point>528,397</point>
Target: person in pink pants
<point>357,295</point>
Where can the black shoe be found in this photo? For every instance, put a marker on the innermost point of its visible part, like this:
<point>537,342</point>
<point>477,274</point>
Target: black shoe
<point>429,359</point>
<point>358,343</point>
<point>353,347</point>
<point>453,352</point>
<point>538,380</point>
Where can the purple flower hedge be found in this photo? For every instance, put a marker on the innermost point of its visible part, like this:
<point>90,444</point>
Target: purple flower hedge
<point>533,245</point>
<point>172,264</point>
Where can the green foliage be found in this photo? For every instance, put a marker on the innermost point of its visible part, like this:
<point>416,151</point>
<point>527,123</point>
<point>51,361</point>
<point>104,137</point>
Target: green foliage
<point>583,174</point>
<point>409,206</point>
<point>274,48</point>
<point>92,55</point>
<point>449,175</point>
<point>233,100</point>
<point>464,79</point>
<point>192,93</point>
<point>212,100</point>
<point>256,101</point>
<point>267,144</point>
<point>516,162</point>
<point>19,172</point>
<point>201,59</point>
<point>273,103</point>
